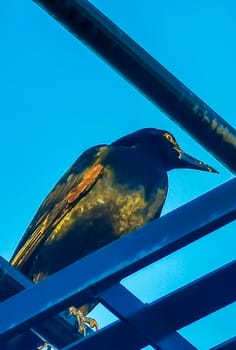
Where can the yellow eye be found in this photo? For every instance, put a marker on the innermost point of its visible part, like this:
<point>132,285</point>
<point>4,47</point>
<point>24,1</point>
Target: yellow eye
<point>169,137</point>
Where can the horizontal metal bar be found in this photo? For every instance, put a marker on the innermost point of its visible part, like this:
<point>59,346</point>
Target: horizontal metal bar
<point>145,73</point>
<point>126,255</point>
<point>124,305</point>
<point>175,341</point>
<point>26,340</point>
<point>199,298</point>
<point>229,344</point>
<point>186,304</point>
<point>116,336</point>
<point>13,281</point>
<point>178,309</point>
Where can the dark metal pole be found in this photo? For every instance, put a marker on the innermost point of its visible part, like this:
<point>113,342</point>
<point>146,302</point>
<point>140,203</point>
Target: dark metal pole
<point>150,77</point>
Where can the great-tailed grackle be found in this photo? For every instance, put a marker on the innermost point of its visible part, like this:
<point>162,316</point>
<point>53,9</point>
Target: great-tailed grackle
<point>109,191</point>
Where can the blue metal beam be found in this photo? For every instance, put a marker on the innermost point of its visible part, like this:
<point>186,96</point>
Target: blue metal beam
<point>149,76</point>
<point>176,309</point>
<point>12,282</point>
<point>126,255</point>
<point>230,344</point>
<point>199,298</point>
<point>116,336</point>
<point>91,278</point>
<point>125,305</point>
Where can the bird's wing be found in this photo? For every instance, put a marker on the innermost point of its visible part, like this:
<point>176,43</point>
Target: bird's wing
<point>76,182</point>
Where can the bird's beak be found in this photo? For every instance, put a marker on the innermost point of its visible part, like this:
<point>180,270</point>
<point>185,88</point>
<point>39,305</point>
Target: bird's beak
<point>192,163</point>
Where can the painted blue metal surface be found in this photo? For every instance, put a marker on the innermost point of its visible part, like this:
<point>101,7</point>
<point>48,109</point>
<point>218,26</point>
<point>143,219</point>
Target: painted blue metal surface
<point>126,255</point>
<point>156,330</point>
<point>95,30</point>
<point>13,281</point>
<point>227,345</point>
<point>92,278</point>
<point>182,306</point>
<point>177,309</point>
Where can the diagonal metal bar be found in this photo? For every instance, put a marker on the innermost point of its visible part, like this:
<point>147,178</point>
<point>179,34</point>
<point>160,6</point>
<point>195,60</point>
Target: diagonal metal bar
<point>227,345</point>
<point>149,76</point>
<point>179,308</point>
<point>219,285</point>
<point>125,305</point>
<point>116,336</point>
<point>126,255</point>
<point>175,341</point>
<point>13,281</point>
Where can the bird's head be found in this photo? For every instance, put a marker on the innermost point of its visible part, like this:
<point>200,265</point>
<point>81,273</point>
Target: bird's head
<point>162,145</point>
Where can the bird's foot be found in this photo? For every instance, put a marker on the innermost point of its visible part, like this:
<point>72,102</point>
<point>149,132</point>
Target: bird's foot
<point>82,320</point>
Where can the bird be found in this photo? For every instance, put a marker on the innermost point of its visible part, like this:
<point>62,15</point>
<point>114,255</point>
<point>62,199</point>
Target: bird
<point>110,191</point>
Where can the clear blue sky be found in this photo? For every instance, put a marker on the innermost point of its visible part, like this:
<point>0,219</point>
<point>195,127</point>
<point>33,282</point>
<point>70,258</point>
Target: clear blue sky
<point>58,98</point>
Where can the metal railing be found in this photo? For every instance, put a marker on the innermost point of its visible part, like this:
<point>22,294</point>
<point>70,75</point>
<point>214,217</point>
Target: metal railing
<point>42,317</point>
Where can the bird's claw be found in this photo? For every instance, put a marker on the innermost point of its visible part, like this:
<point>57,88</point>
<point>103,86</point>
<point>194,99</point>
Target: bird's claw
<point>82,320</point>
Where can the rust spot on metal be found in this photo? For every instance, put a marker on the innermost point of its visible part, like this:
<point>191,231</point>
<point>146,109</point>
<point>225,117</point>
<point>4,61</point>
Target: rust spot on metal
<point>223,132</point>
<point>219,130</point>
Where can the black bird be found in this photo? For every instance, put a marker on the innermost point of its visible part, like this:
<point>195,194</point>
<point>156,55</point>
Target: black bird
<point>109,191</point>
